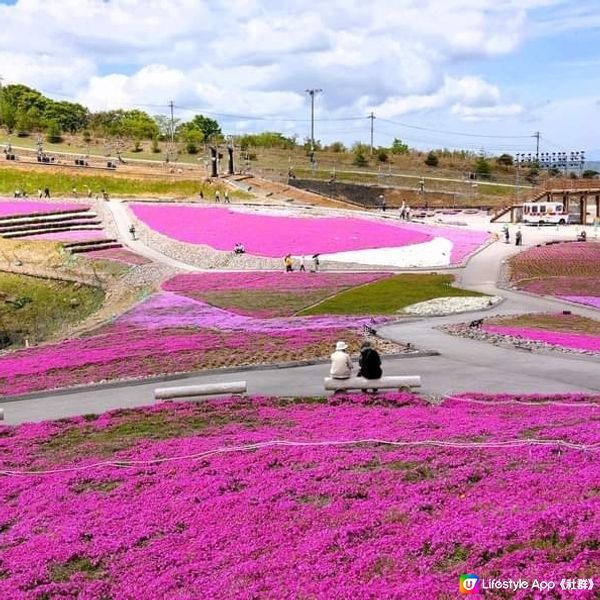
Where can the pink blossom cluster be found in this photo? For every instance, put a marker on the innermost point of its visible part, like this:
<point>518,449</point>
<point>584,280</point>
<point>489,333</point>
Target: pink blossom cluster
<point>565,270</point>
<point>358,520</point>
<point>593,301</point>
<point>10,207</point>
<point>576,341</point>
<point>265,281</point>
<point>269,235</point>
<point>124,352</point>
<point>167,309</point>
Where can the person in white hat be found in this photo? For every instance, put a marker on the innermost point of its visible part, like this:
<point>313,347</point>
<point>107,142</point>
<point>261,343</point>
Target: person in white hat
<point>341,363</point>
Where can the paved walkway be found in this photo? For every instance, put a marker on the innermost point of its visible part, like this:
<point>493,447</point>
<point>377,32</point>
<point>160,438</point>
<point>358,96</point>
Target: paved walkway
<point>123,222</point>
<point>464,365</point>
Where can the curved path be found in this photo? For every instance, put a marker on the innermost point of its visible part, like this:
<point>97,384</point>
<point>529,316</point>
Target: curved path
<point>123,222</point>
<point>463,364</point>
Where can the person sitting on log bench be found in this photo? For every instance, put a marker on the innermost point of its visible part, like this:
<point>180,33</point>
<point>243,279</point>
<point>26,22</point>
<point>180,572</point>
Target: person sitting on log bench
<point>476,323</point>
<point>582,237</point>
<point>369,363</point>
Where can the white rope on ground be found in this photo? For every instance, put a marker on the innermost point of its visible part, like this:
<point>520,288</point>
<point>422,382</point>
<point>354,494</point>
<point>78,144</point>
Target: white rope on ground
<point>324,443</point>
<point>524,402</point>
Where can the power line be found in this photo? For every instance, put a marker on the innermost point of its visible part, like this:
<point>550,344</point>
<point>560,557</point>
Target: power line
<point>477,135</point>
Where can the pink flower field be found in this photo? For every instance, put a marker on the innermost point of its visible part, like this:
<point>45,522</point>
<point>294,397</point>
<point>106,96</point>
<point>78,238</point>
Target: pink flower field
<point>264,498</point>
<point>276,236</point>
<point>568,270</point>
<point>169,333</point>
<point>13,207</point>
<point>265,293</point>
<point>575,341</point>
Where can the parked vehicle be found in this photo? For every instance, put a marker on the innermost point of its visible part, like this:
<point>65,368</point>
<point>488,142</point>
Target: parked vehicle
<point>541,213</point>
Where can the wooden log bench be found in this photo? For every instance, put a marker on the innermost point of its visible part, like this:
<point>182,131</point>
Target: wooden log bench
<point>385,383</point>
<point>206,389</point>
<point>1,414</point>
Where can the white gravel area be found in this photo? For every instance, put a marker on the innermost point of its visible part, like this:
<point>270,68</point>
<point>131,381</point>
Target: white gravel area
<point>451,305</point>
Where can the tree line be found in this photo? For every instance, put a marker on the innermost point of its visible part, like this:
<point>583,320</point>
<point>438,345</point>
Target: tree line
<point>24,110</point>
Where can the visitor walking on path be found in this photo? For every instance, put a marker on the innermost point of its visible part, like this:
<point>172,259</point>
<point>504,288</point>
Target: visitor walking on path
<point>302,264</point>
<point>226,197</point>
<point>217,196</point>
<point>341,363</point>
<point>132,231</point>
<point>289,265</point>
<point>46,192</point>
<point>518,238</point>
<point>506,234</point>
<point>369,362</point>
<point>316,262</point>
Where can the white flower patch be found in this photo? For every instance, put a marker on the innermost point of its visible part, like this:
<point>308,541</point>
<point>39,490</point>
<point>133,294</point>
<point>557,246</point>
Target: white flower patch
<point>435,253</point>
<point>446,306</point>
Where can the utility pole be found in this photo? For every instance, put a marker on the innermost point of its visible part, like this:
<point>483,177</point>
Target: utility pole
<point>372,117</point>
<point>171,106</point>
<point>311,92</point>
<point>536,135</point>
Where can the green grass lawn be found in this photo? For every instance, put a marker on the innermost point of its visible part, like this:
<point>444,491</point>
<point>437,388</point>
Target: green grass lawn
<point>389,295</point>
<point>62,184</point>
<point>34,308</point>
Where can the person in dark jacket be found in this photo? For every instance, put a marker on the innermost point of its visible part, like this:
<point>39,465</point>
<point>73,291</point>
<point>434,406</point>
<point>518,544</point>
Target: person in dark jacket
<point>369,363</point>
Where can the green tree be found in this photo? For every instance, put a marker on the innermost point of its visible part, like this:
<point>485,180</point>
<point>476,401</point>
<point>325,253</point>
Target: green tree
<point>138,125</point>
<point>360,159</point>
<point>482,168</point>
<point>399,147</point>
<point>432,160</point>
<point>192,138</point>
<point>337,147</point>
<point>53,132</point>
<point>382,155</point>
<point>590,174</point>
<point>209,127</point>
<point>155,147</point>
<point>70,116</point>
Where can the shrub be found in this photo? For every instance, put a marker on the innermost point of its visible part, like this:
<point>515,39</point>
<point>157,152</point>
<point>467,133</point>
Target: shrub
<point>432,160</point>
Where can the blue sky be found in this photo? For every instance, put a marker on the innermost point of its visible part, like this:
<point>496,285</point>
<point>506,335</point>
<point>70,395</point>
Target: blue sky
<point>496,71</point>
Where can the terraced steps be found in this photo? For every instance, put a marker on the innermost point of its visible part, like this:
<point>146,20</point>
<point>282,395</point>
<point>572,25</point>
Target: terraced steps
<point>49,227</point>
<point>47,217</point>
<point>89,246</point>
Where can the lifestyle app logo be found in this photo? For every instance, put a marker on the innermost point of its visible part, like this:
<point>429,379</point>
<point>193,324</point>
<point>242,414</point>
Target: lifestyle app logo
<point>468,584</point>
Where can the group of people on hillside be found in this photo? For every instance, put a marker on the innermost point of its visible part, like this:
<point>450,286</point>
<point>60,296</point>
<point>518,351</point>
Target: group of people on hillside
<point>288,263</point>
<point>369,362</point>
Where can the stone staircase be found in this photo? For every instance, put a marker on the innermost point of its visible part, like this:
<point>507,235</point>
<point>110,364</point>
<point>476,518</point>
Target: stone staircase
<point>22,226</point>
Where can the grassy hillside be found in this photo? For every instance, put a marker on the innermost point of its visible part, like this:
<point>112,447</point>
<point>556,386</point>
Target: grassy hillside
<point>35,308</point>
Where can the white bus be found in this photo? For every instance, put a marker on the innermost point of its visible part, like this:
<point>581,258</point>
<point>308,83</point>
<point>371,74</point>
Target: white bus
<point>540,213</point>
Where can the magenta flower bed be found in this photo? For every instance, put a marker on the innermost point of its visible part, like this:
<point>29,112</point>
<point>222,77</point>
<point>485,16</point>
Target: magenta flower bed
<point>265,281</point>
<point>79,235</point>
<point>267,235</point>
<point>119,255</point>
<point>171,310</point>
<point>168,333</point>
<point>317,521</point>
<point>576,341</point>
<point>123,352</point>
<point>593,301</point>
<point>10,207</point>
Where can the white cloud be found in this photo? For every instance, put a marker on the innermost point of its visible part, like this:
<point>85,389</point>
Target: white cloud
<point>256,57</point>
